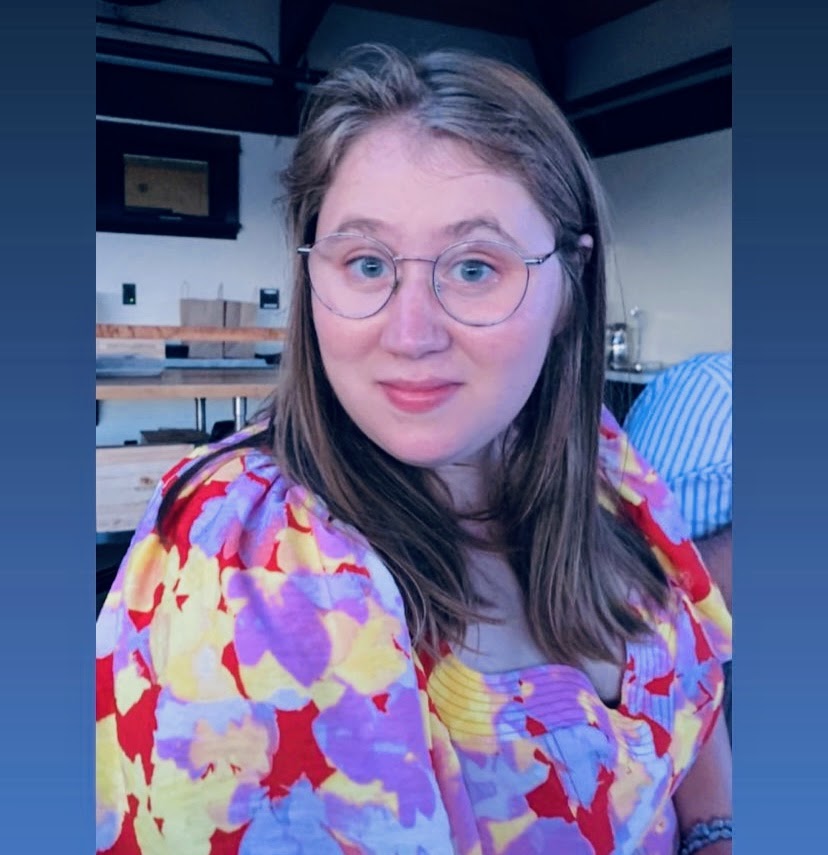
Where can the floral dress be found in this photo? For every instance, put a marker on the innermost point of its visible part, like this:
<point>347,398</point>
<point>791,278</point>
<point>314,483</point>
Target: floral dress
<point>257,693</point>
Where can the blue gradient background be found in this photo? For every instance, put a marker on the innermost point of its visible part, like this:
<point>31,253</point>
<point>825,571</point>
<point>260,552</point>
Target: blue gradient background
<point>47,258</point>
<point>780,308</point>
<point>47,442</point>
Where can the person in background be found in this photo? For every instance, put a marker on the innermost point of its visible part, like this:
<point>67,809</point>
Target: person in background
<point>682,424</point>
<point>433,601</point>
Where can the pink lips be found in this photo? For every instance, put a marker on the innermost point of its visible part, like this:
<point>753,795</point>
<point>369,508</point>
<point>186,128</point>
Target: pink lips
<point>414,397</point>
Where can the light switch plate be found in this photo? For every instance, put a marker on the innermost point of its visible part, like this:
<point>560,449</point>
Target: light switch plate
<point>268,298</point>
<point>128,293</point>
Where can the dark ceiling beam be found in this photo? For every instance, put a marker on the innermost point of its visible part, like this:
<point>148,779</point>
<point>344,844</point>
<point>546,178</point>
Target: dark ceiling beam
<point>566,17</point>
<point>579,16</point>
<point>154,95</point>
<point>716,64</point>
<point>139,26</point>
<point>495,17</point>
<point>298,22</point>
<point>549,57</point>
<point>684,100</point>
<point>547,39</point>
<point>160,84</point>
<point>699,108</point>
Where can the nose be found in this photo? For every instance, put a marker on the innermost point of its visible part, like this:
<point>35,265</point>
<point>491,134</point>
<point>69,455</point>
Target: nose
<point>415,322</point>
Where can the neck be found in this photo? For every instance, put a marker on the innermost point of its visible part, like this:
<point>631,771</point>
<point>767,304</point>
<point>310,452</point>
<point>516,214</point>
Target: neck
<point>468,484</point>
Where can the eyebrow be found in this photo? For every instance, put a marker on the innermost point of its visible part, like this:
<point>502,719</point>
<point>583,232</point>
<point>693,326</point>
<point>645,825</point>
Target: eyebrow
<point>361,225</point>
<point>465,227</point>
<point>460,229</point>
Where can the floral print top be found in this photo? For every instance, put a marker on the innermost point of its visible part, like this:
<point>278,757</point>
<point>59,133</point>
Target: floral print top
<point>257,693</point>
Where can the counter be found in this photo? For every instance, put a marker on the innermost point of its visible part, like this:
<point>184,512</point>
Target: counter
<point>190,383</point>
<point>195,383</point>
<point>642,377</point>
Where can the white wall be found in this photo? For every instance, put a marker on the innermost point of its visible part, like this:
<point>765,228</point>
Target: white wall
<point>164,269</point>
<point>671,208</point>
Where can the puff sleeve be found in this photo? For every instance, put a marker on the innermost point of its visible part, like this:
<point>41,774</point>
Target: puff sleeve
<point>255,686</point>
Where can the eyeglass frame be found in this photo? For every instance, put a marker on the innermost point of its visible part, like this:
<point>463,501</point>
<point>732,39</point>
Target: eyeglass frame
<point>533,261</point>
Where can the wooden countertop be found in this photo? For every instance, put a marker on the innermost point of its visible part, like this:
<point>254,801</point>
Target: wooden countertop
<point>158,332</point>
<point>190,383</point>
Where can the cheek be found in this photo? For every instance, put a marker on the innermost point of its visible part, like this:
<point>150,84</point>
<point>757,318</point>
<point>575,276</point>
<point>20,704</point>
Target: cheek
<point>334,341</point>
<point>518,356</point>
<point>330,342</point>
<point>509,363</point>
<point>521,350</point>
<point>539,318</point>
<point>342,343</point>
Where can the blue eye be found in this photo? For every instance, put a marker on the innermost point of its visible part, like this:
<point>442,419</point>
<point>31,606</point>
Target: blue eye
<point>369,266</point>
<point>472,270</point>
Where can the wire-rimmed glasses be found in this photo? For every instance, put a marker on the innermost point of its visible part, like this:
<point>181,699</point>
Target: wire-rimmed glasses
<point>478,282</point>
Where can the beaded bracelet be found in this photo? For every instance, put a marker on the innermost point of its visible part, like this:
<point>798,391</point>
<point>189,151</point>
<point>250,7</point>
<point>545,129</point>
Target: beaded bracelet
<point>704,833</point>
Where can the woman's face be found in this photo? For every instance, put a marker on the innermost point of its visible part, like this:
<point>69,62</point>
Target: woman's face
<point>426,388</point>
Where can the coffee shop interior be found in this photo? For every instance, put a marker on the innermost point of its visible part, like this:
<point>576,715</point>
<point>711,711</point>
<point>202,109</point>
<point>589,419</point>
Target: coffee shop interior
<point>197,109</point>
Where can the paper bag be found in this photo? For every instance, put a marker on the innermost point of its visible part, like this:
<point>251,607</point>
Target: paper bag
<point>202,313</point>
<point>240,314</point>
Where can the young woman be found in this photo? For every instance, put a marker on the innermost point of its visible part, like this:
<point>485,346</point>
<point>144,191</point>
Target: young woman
<point>433,603</point>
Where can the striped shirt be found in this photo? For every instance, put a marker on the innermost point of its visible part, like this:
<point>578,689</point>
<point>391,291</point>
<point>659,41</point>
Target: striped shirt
<point>682,424</point>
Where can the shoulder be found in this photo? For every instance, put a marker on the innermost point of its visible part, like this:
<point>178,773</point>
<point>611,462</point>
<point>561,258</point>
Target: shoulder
<point>704,375</point>
<point>240,529</point>
<point>684,415</point>
<point>263,631</point>
<point>239,498</point>
<point>686,631</point>
<point>644,495</point>
<point>650,505</point>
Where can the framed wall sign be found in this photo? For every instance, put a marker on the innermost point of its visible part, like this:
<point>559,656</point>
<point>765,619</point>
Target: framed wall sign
<point>161,180</point>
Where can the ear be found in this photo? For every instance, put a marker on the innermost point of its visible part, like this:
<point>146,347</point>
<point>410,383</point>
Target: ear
<point>586,243</point>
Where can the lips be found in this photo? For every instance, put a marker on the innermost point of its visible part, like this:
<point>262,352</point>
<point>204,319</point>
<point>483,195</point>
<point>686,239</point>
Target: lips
<point>418,397</point>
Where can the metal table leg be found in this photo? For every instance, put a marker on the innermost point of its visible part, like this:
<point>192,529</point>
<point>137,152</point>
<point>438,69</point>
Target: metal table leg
<point>239,412</point>
<point>201,414</point>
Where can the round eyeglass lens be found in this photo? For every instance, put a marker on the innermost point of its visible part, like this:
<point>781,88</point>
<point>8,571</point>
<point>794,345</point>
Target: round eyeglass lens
<point>351,274</point>
<point>481,282</point>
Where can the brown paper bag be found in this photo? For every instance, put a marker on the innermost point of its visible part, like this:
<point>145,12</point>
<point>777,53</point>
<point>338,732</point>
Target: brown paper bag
<point>240,314</point>
<point>202,313</point>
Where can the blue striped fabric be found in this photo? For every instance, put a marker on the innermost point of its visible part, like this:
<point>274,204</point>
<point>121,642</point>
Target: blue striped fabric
<point>682,424</point>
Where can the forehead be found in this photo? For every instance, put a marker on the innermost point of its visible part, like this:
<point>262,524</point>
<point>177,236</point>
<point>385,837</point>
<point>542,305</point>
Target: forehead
<point>406,177</point>
<point>404,146</point>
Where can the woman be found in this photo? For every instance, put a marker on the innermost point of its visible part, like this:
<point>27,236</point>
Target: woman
<point>434,603</point>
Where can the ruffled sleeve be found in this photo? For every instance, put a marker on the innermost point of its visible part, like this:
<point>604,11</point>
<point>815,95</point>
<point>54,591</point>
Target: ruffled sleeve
<point>255,686</point>
<point>652,507</point>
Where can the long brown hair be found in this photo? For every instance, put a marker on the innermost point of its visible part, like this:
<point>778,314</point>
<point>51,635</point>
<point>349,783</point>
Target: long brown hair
<point>576,564</point>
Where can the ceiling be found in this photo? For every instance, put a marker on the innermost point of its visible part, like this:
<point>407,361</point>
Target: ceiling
<point>546,24</point>
<point>511,17</point>
<point>151,82</point>
<point>508,17</point>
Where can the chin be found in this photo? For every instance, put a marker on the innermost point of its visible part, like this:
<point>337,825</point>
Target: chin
<point>431,455</point>
<point>424,455</point>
